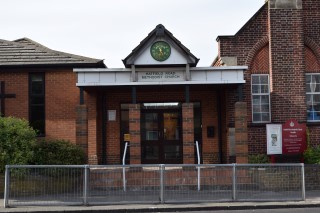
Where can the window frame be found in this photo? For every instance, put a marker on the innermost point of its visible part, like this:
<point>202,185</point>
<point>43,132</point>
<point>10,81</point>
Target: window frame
<point>260,94</point>
<point>311,93</point>
<point>42,95</point>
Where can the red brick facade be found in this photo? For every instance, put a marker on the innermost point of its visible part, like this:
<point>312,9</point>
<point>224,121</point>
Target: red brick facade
<point>281,40</point>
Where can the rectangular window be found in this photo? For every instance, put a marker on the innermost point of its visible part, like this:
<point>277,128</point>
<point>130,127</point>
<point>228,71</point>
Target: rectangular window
<point>260,90</point>
<point>313,97</point>
<point>36,102</point>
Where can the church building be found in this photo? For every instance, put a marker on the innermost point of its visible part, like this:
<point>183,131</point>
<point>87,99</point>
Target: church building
<point>162,105</point>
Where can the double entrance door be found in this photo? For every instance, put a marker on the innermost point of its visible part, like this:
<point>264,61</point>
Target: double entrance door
<point>161,136</point>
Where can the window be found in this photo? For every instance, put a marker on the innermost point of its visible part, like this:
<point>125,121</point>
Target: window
<point>260,98</point>
<point>36,102</point>
<point>313,97</point>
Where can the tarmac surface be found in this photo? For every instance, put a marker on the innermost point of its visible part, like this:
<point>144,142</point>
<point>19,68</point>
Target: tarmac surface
<point>312,200</point>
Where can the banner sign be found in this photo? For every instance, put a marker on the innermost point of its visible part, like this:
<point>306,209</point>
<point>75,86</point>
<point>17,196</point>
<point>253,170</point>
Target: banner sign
<point>293,137</point>
<point>274,139</point>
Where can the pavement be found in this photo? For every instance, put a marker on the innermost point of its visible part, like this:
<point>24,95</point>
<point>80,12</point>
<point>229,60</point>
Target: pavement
<point>312,200</point>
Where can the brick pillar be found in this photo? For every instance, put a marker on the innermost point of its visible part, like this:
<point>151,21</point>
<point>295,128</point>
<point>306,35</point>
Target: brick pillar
<point>241,132</point>
<point>188,133</point>
<point>134,129</point>
<point>82,127</point>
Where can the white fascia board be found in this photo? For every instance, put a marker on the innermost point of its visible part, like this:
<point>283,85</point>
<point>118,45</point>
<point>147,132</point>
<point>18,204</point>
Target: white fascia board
<point>121,76</point>
<point>160,83</point>
<point>222,68</point>
<point>102,70</point>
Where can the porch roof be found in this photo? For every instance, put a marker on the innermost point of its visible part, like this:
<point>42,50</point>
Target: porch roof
<point>160,76</point>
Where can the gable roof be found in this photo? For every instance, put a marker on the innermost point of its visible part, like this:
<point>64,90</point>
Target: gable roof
<point>160,32</point>
<point>26,52</point>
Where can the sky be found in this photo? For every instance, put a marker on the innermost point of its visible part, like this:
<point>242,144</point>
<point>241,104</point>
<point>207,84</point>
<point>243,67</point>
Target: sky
<point>111,29</point>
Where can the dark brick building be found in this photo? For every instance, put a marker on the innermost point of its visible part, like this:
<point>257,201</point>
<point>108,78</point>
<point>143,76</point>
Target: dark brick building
<point>280,46</point>
<point>162,103</point>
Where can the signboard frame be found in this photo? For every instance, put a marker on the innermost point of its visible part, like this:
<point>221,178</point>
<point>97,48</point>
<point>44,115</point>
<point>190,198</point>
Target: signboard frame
<point>274,139</point>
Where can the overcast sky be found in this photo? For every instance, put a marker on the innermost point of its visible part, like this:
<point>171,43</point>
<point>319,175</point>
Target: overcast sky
<point>110,29</point>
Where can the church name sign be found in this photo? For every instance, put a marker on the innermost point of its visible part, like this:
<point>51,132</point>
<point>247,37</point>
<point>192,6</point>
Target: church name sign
<point>161,76</point>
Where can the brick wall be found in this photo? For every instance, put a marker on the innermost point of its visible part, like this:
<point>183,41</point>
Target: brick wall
<point>62,97</point>
<point>16,83</point>
<point>283,41</point>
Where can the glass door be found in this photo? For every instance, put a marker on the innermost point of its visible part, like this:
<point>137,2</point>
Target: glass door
<point>161,136</point>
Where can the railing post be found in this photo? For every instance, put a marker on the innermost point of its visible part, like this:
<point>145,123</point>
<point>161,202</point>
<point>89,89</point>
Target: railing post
<point>6,186</point>
<point>234,182</point>
<point>123,167</point>
<point>85,185</point>
<point>198,156</point>
<point>303,183</point>
<point>161,183</point>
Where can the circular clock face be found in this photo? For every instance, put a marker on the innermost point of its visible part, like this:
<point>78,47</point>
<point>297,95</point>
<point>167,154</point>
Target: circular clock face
<point>160,50</point>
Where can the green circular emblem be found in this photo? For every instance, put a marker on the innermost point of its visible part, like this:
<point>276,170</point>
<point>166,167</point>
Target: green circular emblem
<point>160,50</point>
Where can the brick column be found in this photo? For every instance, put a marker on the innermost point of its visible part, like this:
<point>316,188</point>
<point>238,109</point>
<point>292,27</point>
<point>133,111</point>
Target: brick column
<point>188,133</point>
<point>134,129</point>
<point>82,127</point>
<point>241,132</point>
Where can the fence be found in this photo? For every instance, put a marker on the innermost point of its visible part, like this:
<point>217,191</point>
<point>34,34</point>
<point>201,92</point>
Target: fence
<point>97,185</point>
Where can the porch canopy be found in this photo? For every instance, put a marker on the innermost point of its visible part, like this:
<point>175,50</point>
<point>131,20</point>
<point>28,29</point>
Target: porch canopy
<point>160,76</point>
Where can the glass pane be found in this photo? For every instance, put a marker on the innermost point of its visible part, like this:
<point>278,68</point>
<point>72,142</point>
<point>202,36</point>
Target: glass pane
<point>316,78</point>
<point>37,84</point>
<point>265,108</point>
<point>256,108</point>
<point>167,105</point>
<point>308,79</point>
<point>151,152</point>
<point>256,117</point>
<point>171,126</point>
<point>172,152</point>
<point>264,79</point>
<point>265,116</point>
<point>264,99</point>
<point>256,89</point>
<point>37,119</point>
<point>149,126</point>
<point>309,100</point>
<point>308,87</point>
<point>317,88</point>
<point>255,79</point>
<point>256,100</point>
<point>37,100</point>
<point>264,88</point>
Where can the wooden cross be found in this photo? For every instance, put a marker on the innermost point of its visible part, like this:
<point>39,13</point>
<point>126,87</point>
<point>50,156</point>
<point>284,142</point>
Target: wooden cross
<point>3,97</point>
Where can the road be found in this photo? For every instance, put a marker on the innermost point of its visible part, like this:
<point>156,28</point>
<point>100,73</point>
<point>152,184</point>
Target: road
<point>291,210</point>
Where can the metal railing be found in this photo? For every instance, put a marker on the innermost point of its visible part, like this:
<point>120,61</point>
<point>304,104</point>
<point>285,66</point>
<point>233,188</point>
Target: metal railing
<point>98,185</point>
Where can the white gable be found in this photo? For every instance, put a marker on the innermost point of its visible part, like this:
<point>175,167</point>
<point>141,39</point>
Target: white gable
<point>146,59</point>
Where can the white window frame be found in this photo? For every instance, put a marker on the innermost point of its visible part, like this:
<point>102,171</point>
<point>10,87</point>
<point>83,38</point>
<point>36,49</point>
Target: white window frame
<point>260,94</point>
<point>311,102</point>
